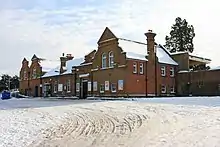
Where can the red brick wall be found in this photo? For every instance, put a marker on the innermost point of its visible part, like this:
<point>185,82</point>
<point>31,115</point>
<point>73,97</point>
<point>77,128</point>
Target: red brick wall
<point>135,83</point>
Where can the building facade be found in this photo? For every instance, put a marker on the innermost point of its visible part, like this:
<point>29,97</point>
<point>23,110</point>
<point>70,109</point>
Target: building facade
<point>112,70</point>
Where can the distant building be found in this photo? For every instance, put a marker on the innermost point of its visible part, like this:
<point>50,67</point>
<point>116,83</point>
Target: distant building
<point>112,71</point>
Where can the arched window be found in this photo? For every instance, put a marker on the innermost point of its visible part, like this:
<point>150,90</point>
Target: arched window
<point>104,60</point>
<point>111,59</point>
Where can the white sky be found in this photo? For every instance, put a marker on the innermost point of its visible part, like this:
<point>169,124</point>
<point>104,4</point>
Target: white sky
<point>27,29</point>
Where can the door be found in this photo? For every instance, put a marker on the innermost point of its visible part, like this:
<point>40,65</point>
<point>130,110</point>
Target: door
<point>85,89</point>
<point>36,91</point>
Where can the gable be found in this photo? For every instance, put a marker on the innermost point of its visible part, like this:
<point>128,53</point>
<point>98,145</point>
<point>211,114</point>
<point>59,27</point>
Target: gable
<point>107,34</point>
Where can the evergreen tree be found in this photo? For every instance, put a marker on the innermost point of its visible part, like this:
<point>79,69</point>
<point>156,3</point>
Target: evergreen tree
<point>181,37</point>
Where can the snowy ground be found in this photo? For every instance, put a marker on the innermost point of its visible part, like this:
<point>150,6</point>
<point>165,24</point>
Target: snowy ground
<point>38,122</point>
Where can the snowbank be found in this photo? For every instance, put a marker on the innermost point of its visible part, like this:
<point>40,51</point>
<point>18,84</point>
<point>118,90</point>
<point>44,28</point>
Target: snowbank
<point>115,123</point>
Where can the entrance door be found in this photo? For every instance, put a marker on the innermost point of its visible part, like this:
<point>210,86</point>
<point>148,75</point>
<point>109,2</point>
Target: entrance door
<point>85,89</point>
<point>36,91</point>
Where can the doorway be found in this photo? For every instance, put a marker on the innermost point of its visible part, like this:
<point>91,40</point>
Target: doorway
<point>36,91</point>
<point>84,89</point>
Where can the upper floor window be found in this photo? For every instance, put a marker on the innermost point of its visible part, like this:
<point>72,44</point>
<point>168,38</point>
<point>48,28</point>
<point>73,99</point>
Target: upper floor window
<point>135,67</point>
<point>104,60</point>
<point>171,71</point>
<point>141,68</point>
<point>25,75</point>
<point>163,71</point>
<point>34,73</point>
<point>111,59</point>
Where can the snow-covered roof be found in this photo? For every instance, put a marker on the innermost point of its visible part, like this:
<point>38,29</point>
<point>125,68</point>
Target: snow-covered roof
<point>52,72</point>
<point>193,57</point>
<point>141,48</point>
<point>71,63</point>
<point>68,68</point>
<point>163,56</point>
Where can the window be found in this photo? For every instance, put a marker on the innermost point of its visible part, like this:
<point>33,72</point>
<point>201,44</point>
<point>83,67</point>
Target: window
<point>171,71</point>
<point>113,87</point>
<point>25,75</point>
<point>55,87</point>
<point>172,89</point>
<point>68,88</point>
<point>34,73</point>
<point>104,60</point>
<point>163,71</point>
<point>111,59</point>
<point>134,67</point>
<point>141,68</point>
<point>95,86</point>
<point>77,87</point>
<point>102,88</point>
<point>163,89</point>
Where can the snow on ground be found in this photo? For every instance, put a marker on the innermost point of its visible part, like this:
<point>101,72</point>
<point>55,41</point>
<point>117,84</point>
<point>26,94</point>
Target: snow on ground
<point>107,123</point>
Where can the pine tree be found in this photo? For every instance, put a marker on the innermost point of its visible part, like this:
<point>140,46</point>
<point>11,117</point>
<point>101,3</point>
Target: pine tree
<point>181,37</point>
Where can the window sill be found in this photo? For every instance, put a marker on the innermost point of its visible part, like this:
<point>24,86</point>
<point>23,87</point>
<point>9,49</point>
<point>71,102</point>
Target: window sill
<point>68,91</point>
<point>114,91</point>
<point>101,91</point>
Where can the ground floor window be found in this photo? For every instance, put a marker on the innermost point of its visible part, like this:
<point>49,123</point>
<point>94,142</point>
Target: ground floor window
<point>77,87</point>
<point>95,86</point>
<point>68,87</point>
<point>55,87</point>
<point>163,89</point>
<point>102,88</point>
<point>172,89</point>
<point>113,87</point>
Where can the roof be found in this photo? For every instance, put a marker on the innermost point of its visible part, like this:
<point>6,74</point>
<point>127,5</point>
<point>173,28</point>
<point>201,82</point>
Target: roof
<point>69,64</point>
<point>161,52</point>
<point>193,57</point>
<point>34,57</point>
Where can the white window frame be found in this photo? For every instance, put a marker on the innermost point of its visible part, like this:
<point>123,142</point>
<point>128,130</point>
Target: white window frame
<point>25,75</point>
<point>113,91</point>
<point>104,60</point>
<point>68,85</point>
<point>134,67</point>
<point>55,87</point>
<point>141,68</point>
<point>163,71</point>
<point>172,72</point>
<point>163,89</point>
<point>34,73</point>
<point>172,89</point>
<point>111,59</point>
<point>95,86</point>
<point>100,88</point>
<point>77,87</point>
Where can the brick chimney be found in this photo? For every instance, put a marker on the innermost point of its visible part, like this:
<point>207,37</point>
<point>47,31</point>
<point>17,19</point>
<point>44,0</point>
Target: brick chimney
<point>151,64</point>
<point>63,61</point>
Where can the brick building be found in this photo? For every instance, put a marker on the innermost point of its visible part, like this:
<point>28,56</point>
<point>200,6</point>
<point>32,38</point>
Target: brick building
<point>200,82</point>
<point>110,70</point>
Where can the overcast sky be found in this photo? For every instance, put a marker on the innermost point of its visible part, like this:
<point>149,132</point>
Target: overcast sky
<point>50,27</point>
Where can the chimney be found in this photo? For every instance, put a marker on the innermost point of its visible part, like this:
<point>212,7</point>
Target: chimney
<point>152,86</point>
<point>150,42</point>
<point>63,60</point>
<point>69,57</point>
